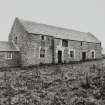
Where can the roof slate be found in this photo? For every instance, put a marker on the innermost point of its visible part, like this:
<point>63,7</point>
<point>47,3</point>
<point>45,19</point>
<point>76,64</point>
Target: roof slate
<point>6,46</point>
<point>57,32</point>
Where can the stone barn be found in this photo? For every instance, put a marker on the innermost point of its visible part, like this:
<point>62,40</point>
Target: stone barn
<point>44,44</point>
<point>31,43</point>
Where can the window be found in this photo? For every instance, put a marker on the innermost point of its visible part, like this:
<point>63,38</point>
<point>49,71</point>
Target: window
<point>9,55</point>
<point>42,53</point>
<point>100,44</point>
<point>15,40</point>
<point>71,54</point>
<point>81,43</point>
<point>42,37</point>
<point>65,43</point>
<point>93,54</point>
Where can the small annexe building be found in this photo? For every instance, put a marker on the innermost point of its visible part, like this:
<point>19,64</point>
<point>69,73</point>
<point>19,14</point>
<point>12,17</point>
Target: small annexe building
<point>9,55</point>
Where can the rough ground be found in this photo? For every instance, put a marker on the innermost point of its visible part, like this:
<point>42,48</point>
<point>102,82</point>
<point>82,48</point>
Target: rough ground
<point>34,86</point>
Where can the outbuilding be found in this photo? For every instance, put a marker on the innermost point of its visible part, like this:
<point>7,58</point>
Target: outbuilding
<point>9,55</point>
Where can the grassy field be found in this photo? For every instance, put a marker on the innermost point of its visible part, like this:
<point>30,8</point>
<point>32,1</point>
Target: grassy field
<point>34,86</point>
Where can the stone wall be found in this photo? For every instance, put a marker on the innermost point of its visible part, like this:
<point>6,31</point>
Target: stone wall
<point>14,62</point>
<point>33,46</point>
<point>77,48</point>
<point>30,45</point>
<point>22,40</point>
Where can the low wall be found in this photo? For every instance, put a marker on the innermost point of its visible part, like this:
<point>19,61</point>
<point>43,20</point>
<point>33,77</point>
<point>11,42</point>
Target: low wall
<point>74,67</point>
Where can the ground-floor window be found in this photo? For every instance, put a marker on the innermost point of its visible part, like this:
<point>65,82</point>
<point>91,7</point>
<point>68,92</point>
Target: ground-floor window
<point>15,40</point>
<point>72,54</point>
<point>9,55</point>
<point>42,53</point>
<point>84,55</point>
<point>93,54</point>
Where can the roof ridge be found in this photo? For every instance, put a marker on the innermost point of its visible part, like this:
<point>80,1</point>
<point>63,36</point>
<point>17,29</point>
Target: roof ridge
<point>22,20</point>
<point>57,32</point>
<point>7,46</point>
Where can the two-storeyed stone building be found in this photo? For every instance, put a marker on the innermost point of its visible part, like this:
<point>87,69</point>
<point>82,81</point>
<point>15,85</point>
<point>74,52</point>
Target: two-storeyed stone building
<point>32,43</point>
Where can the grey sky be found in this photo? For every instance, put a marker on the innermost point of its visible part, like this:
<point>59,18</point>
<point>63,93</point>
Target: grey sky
<point>82,15</point>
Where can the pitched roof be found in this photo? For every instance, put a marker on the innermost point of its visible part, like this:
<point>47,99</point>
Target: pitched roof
<point>58,32</point>
<point>6,46</point>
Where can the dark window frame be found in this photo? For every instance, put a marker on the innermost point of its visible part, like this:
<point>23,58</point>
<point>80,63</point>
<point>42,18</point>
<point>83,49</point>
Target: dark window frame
<point>42,37</point>
<point>42,52</point>
<point>15,40</point>
<point>81,44</point>
<point>93,54</point>
<point>65,43</point>
<point>72,54</point>
<point>9,55</point>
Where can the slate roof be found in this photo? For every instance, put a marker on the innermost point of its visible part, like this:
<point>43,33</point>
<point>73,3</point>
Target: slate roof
<point>57,32</point>
<point>6,46</point>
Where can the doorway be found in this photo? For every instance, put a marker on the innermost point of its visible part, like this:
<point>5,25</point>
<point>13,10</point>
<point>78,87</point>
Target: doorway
<point>83,56</point>
<point>59,56</point>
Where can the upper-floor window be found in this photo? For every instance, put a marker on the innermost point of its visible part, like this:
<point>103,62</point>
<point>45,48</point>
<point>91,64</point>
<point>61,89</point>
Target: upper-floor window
<point>65,43</point>
<point>42,53</point>
<point>42,37</point>
<point>100,44</point>
<point>93,54</point>
<point>81,43</point>
<point>72,54</point>
<point>9,55</point>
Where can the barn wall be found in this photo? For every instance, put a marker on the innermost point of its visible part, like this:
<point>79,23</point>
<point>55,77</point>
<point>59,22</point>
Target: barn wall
<point>30,44</point>
<point>78,49</point>
<point>22,40</point>
<point>33,49</point>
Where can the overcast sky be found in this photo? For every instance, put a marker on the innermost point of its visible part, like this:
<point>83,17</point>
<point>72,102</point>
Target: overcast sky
<point>82,15</point>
